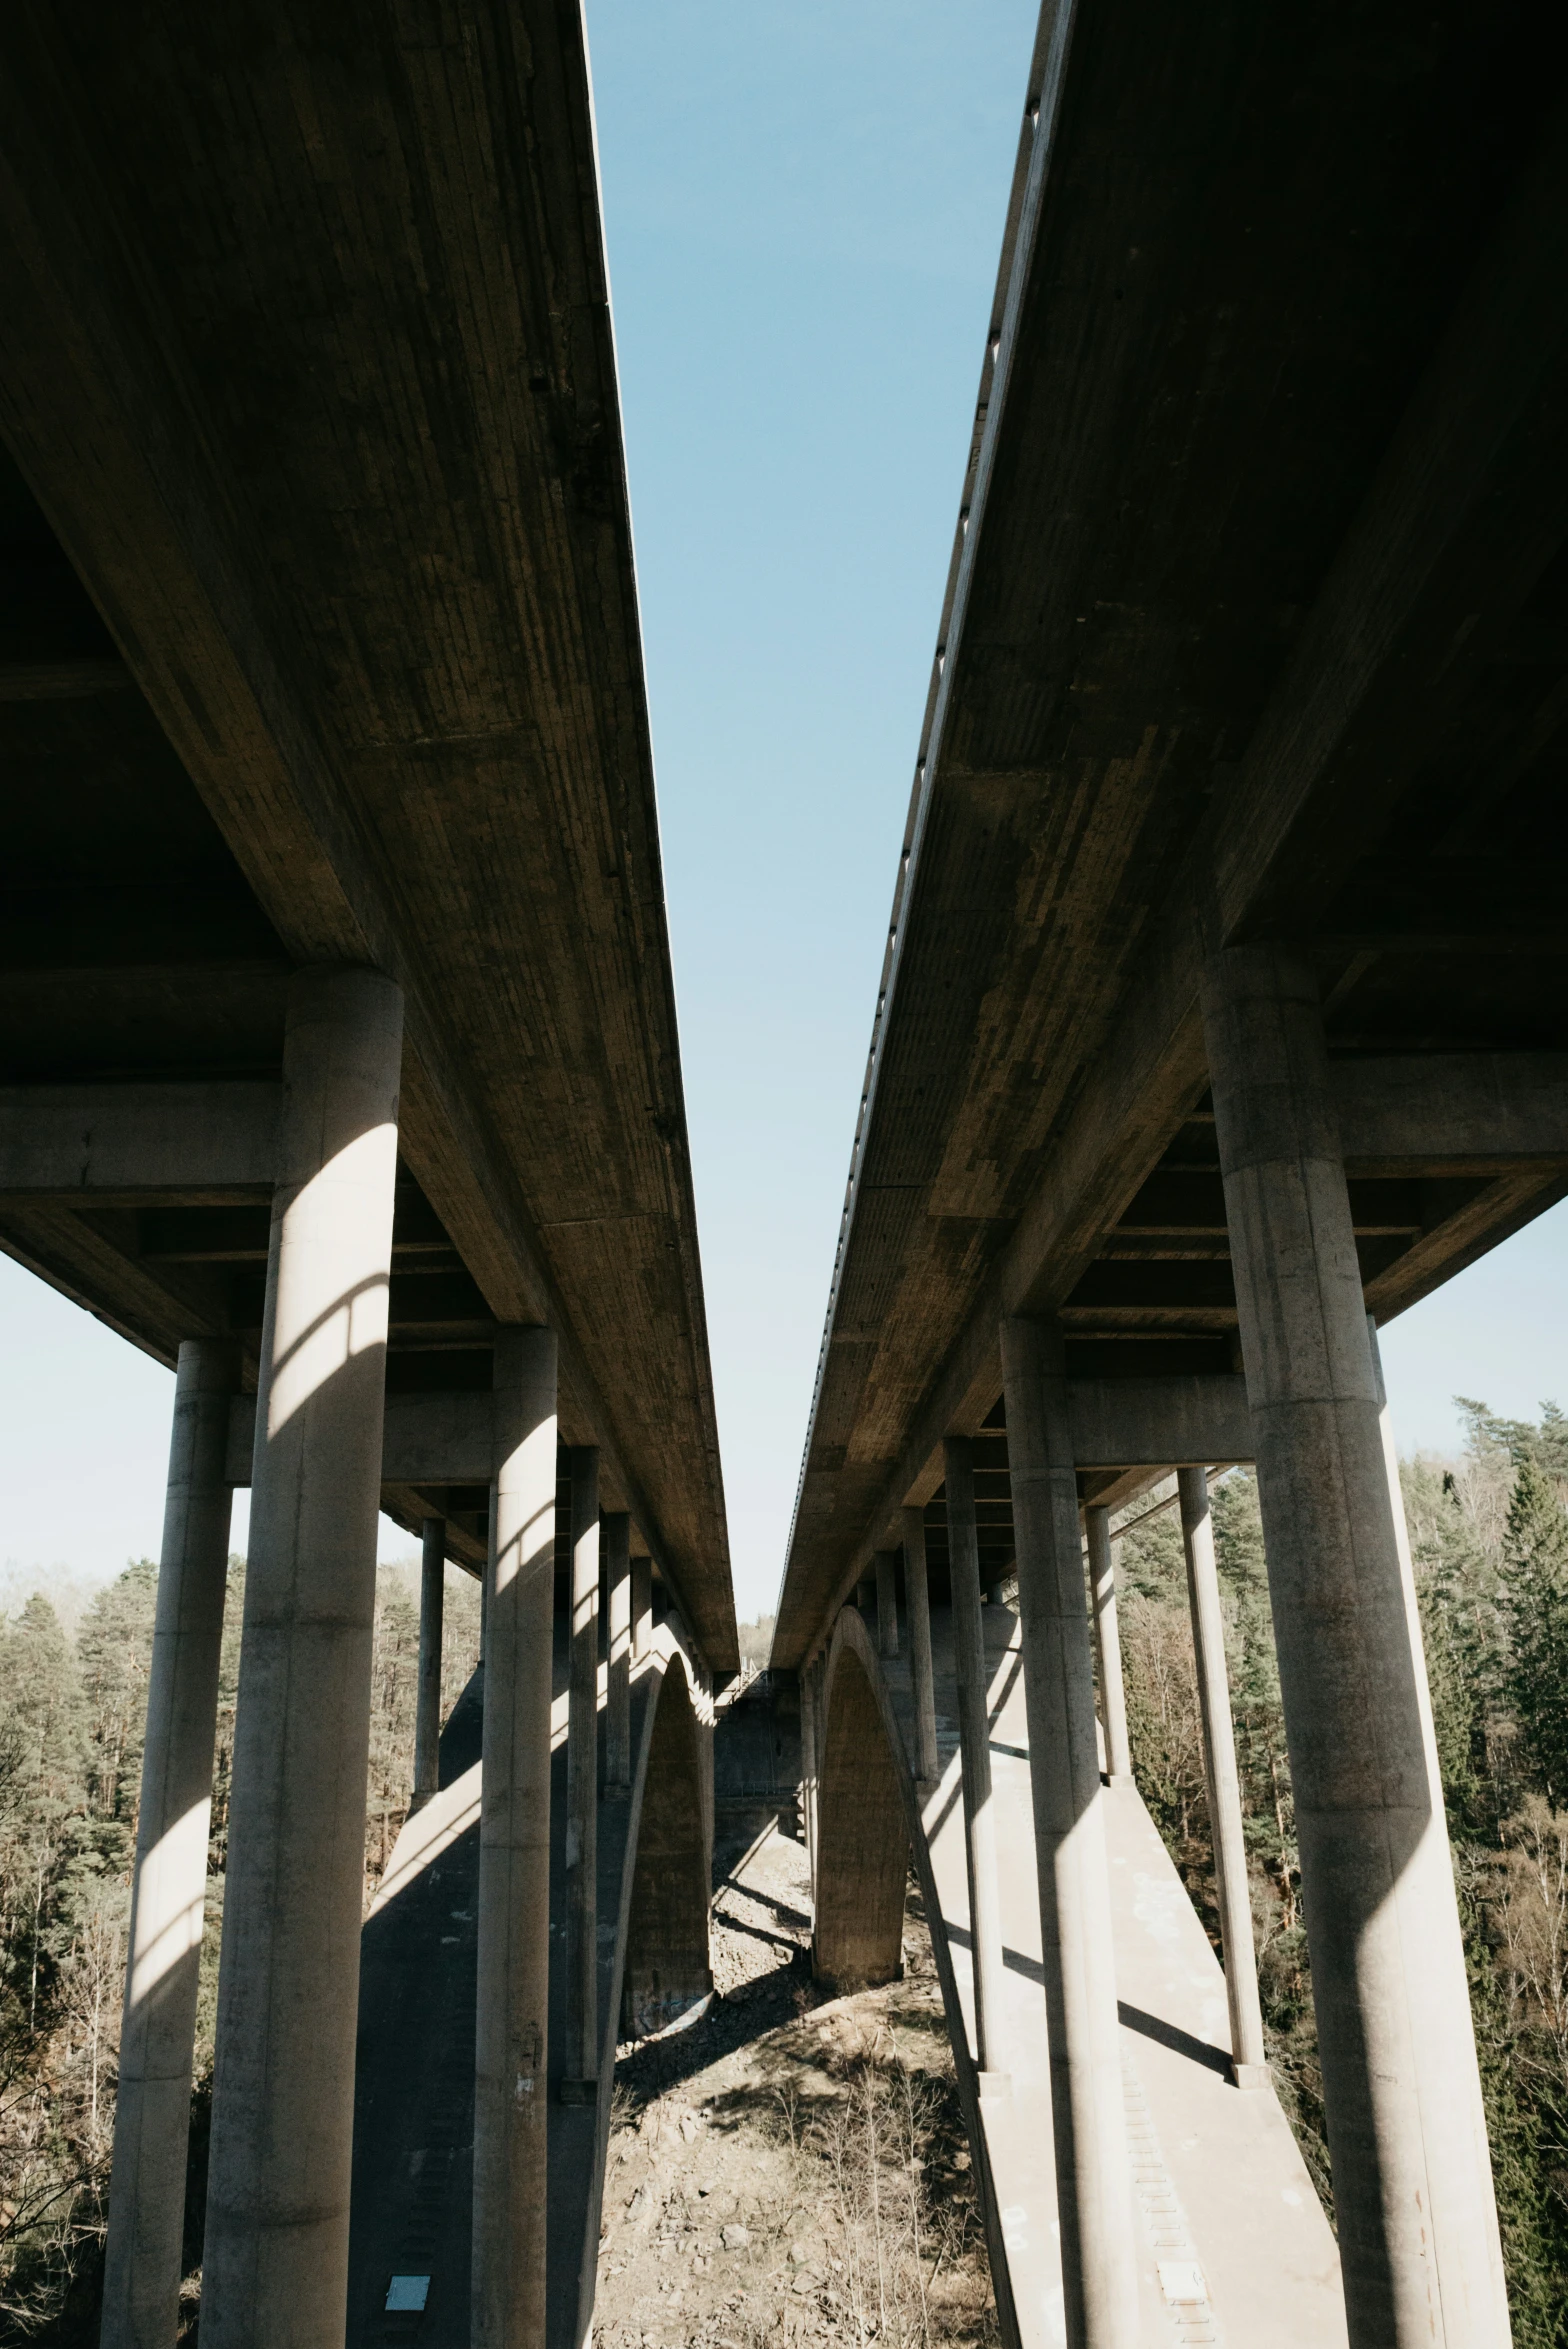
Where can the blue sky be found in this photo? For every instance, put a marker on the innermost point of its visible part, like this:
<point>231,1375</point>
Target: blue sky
<point>804,205</point>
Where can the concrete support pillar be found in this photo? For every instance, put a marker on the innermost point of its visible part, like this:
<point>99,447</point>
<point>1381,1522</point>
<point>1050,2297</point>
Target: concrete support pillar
<point>1417,2223</point>
<point>887,1602</point>
<point>996,1593</point>
<point>275,2268</point>
<point>1093,2173</point>
<point>582,1786</point>
<point>642,1608</point>
<point>1108,1646</point>
<point>617,1537</point>
<point>866,1595</point>
<point>152,2116</point>
<point>511,2105</point>
<point>922,1682</point>
<point>974,1730</point>
<point>808,1764</point>
<point>427,1702</point>
<point>1248,2059</point>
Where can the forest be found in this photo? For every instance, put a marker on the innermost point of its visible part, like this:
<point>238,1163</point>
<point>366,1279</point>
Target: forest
<point>1489,1534</point>
<point>72,1705</point>
<point>1489,1539</point>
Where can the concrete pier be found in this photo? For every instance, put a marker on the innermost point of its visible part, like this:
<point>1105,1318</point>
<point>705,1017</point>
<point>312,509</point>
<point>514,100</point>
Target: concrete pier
<point>808,1763</point>
<point>1248,2059</point>
<point>642,1607</point>
<point>276,2260</point>
<point>1412,2180</point>
<point>157,2033</point>
<point>582,1783</point>
<point>427,1703</point>
<point>1093,2176</point>
<point>617,1538</point>
<point>917,1604</point>
<point>1108,1646</point>
<point>974,1729</point>
<point>887,1602</point>
<point>511,2105</point>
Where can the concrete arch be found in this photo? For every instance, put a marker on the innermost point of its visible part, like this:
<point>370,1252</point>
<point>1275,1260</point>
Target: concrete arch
<point>666,1971</point>
<point>863,1823</point>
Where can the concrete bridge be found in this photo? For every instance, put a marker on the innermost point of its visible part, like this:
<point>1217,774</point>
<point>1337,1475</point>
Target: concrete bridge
<point>340,1071</point>
<point>1221,1019</point>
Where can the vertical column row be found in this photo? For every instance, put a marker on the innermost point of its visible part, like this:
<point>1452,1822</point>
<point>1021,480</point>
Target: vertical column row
<point>582,1784</point>
<point>1094,2182</point>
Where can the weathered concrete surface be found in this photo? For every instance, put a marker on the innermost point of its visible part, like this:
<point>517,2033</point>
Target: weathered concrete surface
<point>1406,2129</point>
<point>521,1808</point>
<point>276,2260</point>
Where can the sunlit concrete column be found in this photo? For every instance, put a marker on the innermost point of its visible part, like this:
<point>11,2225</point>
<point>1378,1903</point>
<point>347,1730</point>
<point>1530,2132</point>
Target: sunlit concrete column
<point>917,1607</point>
<point>1248,2059</point>
<point>275,2267</point>
<point>427,1702</point>
<point>1413,2196</point>
<point>1108,1646</point>
<point>141,2285</point>
<point>887,1602</point>
<point>582,1785</point>
<point>1093,2173</point>
<point>511,2103</point>
<point>617,1538</point>
<point>974,1731</point>
<point>642,1608</point>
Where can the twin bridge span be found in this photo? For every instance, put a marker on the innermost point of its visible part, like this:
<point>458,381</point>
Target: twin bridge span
<point>1222,1018</point>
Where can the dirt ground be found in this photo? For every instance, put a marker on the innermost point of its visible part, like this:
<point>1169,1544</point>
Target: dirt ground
<point>790,2169</point>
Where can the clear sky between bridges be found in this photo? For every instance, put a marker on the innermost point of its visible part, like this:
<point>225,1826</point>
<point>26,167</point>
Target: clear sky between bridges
<point>804,203</point>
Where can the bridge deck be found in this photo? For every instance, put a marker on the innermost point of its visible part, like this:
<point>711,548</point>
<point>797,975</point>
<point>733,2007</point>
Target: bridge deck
<point>1220,2184</point>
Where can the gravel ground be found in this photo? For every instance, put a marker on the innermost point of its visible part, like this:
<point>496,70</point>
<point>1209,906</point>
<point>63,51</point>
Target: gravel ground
<point>741,2204</point>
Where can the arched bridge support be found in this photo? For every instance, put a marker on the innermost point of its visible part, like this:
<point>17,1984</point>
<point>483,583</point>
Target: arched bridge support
<point>862,1858</point>
<point>666,1970</point>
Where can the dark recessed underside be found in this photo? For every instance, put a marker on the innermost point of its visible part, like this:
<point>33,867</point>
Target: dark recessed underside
<point>1258,628</point>
<point>319,642</point>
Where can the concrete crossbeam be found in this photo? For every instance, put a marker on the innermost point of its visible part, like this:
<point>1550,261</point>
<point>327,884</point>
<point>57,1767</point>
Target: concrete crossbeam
<point>1159,1422</point>
<point>199,1141</point>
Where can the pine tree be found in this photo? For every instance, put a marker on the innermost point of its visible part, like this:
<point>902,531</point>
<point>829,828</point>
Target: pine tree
<point>1535,1560</point>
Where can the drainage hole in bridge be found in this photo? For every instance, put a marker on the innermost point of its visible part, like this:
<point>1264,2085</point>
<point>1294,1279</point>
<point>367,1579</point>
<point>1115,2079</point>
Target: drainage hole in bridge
<point>408,2291</point>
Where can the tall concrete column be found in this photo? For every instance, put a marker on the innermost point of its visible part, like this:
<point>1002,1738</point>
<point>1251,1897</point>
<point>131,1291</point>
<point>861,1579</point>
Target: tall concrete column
<point>808,1767</point>
<point>1093,2172</point>
<point>427,1702</point>
<point>1248,2058</point>
<point>642,1608</point>
<point>1108,1646</point>
<point>582,1786</point>
<point>511,2103</point>
<point>1413,2196</point>
<point>974,1731</point>
<point>275,2268</point>
<point>617,1538</point>
<point>141,2286</point>
<point>922,1681</point>
<point>887,1603</point>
